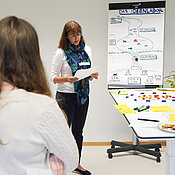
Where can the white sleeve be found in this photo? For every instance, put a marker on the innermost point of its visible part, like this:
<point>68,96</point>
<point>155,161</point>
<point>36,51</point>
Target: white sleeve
<point>54,130</point>
<point>56,64</point>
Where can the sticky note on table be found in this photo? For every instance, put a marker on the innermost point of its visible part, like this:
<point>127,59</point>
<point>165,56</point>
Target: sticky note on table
<point>167,89</point>
<point>120,92</point>
<point>161,108</point>
<point>172,118</point>
<point>124,109</point>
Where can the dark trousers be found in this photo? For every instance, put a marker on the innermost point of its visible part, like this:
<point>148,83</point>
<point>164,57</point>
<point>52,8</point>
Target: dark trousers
<point>76,115</point>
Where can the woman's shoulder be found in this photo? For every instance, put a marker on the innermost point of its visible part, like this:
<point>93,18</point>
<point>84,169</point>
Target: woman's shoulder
<point>43,102</point>
<point>30,99</point>
<point>40,98</point>
<point>59,54</point>
<point>59,51</point>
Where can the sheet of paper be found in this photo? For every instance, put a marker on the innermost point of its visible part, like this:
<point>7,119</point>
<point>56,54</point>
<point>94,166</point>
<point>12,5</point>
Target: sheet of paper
<point>143,124</point>
<point>83,73</point>
<point>147,124</point>
<point>38,171</point>
<point>120,92</point>
<point>124,109</point>
<point>172,118</point>
<point>161,108</point>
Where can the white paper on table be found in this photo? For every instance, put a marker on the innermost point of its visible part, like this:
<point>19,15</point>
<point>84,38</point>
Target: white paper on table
<point>38,171</point>
<point>147,124</point>
<point>162,117</point>
<point>143,124</point>
<point>83,73</point>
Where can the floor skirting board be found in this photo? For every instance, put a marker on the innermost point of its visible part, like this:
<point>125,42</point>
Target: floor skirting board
<point>109,143</point>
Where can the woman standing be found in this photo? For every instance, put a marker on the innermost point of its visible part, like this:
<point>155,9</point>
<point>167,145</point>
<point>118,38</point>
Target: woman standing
<point>73,94</point>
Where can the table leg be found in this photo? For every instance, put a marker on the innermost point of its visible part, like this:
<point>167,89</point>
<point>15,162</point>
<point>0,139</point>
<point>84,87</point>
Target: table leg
<point>170,157</point>
<point>135,141</point>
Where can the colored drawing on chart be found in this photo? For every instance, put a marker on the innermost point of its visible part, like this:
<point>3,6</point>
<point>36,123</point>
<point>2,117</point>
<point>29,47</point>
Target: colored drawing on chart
<point>135,55</point>
<point>124,109</point>
<point>161,108</point>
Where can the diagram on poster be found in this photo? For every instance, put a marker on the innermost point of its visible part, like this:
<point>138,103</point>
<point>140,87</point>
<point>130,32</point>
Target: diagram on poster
<point>135,46</point>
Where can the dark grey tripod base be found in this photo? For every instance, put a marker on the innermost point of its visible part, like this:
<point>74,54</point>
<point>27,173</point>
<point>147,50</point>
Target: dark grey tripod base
<point>117,147</point>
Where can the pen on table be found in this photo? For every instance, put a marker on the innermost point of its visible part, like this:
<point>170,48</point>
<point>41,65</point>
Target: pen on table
<point>150,120</point>
<point>140,110</point>
<point>141,107</point>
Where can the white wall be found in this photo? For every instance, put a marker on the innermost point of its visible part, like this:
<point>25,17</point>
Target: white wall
<point>49,16</point>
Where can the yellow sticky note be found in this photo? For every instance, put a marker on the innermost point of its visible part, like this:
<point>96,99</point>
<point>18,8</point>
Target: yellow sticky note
<point>161,108</point>
<point>169,90</point>
<point>172,118</point>
<point>124,109</point>
<point>120,92</point>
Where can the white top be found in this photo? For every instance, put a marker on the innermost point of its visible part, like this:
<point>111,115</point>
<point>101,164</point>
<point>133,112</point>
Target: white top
<point>31,125</point>
<point>61,68</point>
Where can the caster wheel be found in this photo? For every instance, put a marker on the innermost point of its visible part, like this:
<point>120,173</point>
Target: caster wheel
<point>158,159</point>
<point>157,149</point>
<point>110,156</point>
<point>112,146</point>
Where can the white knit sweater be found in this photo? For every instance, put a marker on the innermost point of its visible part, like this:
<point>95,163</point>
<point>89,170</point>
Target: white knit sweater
<point>31,126</point>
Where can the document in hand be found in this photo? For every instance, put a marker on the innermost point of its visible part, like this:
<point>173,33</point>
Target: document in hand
<point>83,73</point>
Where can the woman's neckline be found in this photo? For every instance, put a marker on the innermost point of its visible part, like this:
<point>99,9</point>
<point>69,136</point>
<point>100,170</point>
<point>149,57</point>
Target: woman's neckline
<point>7,87</point>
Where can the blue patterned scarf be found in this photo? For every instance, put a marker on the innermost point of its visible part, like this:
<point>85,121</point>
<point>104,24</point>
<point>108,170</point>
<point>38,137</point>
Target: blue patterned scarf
<point>74,56</point>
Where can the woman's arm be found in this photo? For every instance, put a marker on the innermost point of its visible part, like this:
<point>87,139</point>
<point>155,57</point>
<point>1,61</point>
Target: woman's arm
<point>57,64</point>
<point>94,75</point>
<point>56,165</point>
<point>58,79</point>
<point>59,140</point>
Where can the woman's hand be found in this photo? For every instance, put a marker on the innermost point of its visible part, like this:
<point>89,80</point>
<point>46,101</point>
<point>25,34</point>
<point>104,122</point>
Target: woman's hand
<point>59,79</point>
<point>72,79</point>
<point>57,166</point>
<point>94,75</point>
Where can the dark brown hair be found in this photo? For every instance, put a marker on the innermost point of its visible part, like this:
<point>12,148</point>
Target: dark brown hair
<point>20,61</point>
<point>72,27</point>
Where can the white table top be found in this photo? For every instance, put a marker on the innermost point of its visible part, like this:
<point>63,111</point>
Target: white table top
<point>145,129</point>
